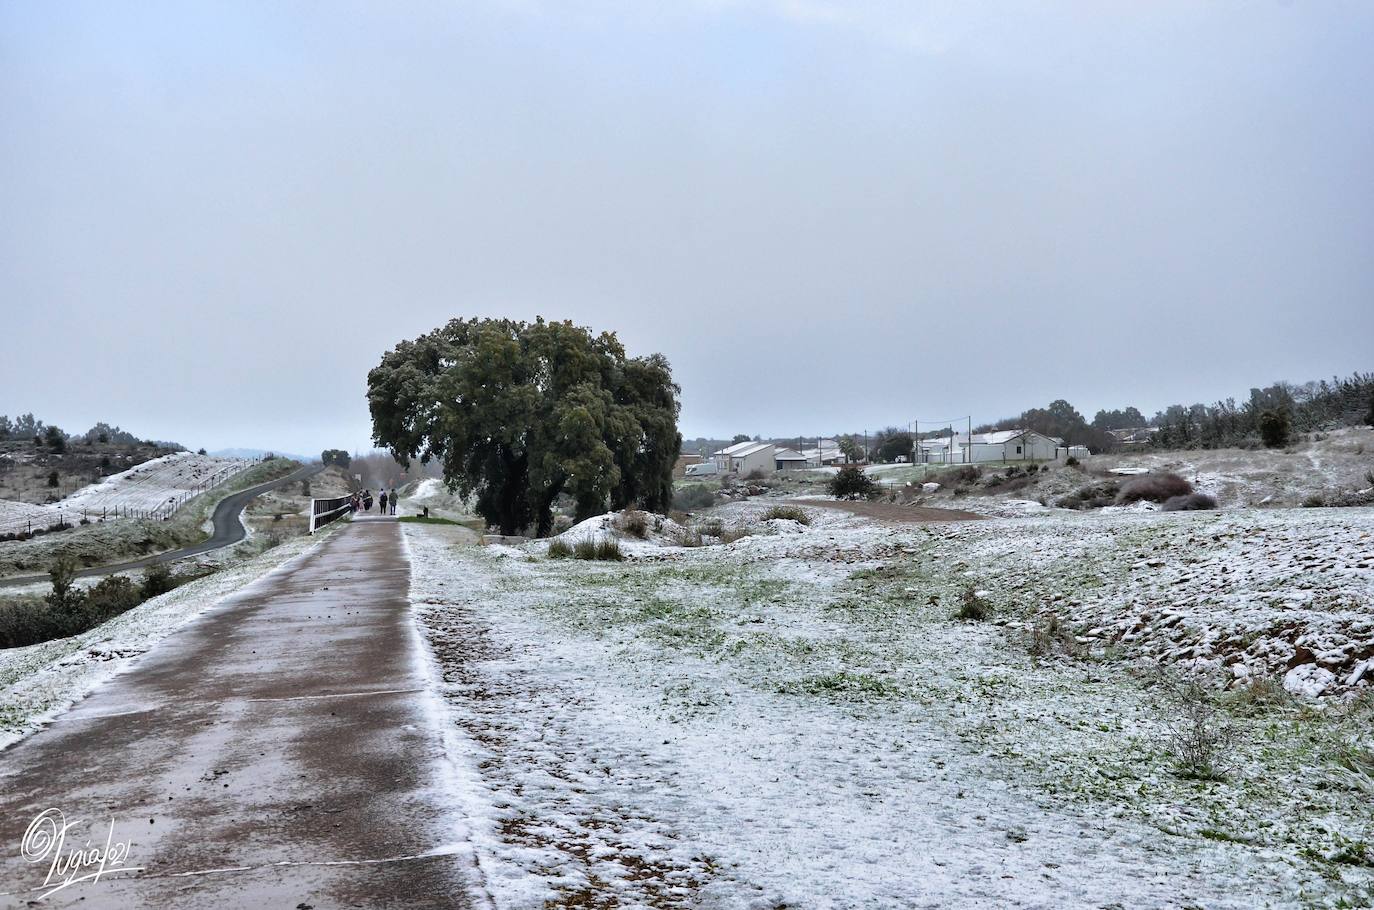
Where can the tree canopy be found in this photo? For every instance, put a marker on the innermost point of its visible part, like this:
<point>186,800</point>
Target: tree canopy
<point>520,413</point>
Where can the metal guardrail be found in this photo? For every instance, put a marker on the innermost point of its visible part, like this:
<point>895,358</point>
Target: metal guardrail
<point>323,511</point>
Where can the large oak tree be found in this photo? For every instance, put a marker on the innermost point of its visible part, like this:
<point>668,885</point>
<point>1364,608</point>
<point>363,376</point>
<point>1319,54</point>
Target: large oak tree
<point>519,413</point>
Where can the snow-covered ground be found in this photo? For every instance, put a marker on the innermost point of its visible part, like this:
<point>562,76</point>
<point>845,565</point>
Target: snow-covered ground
<point>157,485</point>
<point>43,680</point>
<point>795,719</point>
<point>151,485</point>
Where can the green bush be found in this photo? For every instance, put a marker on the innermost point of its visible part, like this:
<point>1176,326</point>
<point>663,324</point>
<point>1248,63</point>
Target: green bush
<point>852,483</point>
<point>112,596</point>
<point>606,549</point>
<point>1274,427</point>
<point>157,579</point>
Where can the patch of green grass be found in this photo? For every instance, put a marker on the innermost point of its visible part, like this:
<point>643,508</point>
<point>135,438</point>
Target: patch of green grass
<point>429,520</point>
<point>843,684</point>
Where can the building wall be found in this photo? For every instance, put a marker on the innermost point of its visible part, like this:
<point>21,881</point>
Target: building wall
<point>761,460</point>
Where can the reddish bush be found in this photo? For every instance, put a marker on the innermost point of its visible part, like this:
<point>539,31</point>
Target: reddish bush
<point>1153,487</point>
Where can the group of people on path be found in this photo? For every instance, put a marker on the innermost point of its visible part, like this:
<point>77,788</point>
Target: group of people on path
<point>362,502</point>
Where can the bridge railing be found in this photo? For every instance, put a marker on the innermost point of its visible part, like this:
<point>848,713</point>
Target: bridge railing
<point>323,511</point>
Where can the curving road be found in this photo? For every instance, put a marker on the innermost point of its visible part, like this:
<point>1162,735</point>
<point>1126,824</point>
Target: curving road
<point>228,530</point>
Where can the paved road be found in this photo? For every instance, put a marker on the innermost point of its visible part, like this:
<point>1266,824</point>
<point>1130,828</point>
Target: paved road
<point>228,530</point>
<point>279,752</point>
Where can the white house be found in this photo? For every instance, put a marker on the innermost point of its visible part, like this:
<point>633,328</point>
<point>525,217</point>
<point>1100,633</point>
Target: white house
<point>1009,445</point>
<point>939,450</point>
<point>745,458</point>
<point>790,460</point>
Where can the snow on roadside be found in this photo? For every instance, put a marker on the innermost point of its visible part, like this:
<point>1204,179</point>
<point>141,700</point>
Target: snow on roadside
<point>726,727</point>
<point>41,681</point>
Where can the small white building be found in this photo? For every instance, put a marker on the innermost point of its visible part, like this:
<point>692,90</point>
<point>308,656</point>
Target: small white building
<point>1009,445</point>
<point>939,450</point>
<point>826,453</point>
<point>745,458</point>
<point>790,460</point>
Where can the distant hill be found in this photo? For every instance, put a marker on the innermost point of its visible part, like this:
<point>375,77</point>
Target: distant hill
<point>258,453</point>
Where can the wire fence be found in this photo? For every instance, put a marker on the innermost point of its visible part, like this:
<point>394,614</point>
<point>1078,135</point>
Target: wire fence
<point>60,516</point>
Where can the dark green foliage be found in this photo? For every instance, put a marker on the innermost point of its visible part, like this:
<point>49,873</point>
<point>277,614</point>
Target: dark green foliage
<point>1274,428</point>
<point>66,610</point>
<point>335,457</point>
<point>52,479</point>
<point>64,597</point>
<point>1369,418</point>
<point>157,579</point>
<point>520,413</point>
<point>852,483</point>
<point>890,443</point>
<point>201,451</point>
<point>110,597</point>
<point>739,437</point>
<point>55,439</point>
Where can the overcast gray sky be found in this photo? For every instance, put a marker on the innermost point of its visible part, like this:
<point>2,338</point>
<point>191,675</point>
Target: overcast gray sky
<point>215,217</point>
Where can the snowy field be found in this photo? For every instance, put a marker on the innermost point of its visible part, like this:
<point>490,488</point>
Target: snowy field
<point>161,483</point>
<point>796,719</point>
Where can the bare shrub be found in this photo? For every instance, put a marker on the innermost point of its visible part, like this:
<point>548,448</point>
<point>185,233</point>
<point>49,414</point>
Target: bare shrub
<point>1052,638</point>
<point>1190,503</point>
<point>634,523</point>
<point>1092,496</point>
<point>694,496</point>
<point>608,550</point>
<point>1199,737</point>
<point>1314,501</point>
<point>1153,488</point>
<point>713,528</point>
<point>756,474</point>
<point>972,607</point>
<point>688,537</point>
<point>788,513</point>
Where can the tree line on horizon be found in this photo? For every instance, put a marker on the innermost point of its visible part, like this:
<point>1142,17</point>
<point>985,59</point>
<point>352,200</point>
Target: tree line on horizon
<point>27,427</point>
<point>1268,416</point>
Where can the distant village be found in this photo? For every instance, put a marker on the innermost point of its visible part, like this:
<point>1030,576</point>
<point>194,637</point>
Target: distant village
<point>756,456</point>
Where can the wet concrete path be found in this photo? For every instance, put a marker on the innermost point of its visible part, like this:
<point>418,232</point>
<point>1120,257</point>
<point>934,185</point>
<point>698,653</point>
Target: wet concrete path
<point>278,752</point>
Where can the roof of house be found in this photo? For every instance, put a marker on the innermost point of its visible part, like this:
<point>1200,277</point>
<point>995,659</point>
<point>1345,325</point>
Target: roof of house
<point>744,449</point>
<point>739,448</point>
<point>789,455</point>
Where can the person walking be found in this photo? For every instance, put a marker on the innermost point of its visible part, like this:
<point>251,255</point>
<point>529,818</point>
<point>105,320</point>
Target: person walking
<point>393,500</point>
<point>381,500</point>
<point>367,500</point>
